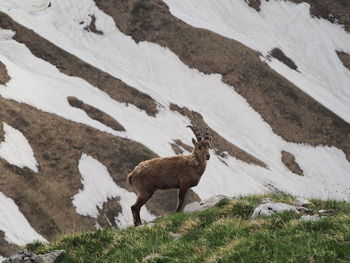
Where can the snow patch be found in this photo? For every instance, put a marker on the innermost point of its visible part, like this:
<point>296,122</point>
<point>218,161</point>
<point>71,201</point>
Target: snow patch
<point>98,188</point>
<point>16,150</point>
<point>15,226</point>
<point>310,42</point>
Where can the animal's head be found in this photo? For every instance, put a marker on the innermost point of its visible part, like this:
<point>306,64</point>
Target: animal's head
<point>202,143</point>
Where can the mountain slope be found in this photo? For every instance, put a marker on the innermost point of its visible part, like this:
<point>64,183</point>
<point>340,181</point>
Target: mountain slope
<point>107,84</point>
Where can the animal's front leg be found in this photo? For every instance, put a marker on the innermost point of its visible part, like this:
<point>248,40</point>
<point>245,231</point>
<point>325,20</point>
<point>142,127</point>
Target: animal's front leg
<point>182,194</point>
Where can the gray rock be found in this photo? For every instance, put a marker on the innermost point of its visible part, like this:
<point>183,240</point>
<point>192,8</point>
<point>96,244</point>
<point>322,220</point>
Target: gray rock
<point>266,200</point>
<point>303,209</point>
<point>310,218</point>
<point>51,257</point>
<point>22,256</point>
<point>302,202</point>
<point>268,209</point>
<point>175,236</point>
<point>204,204</point>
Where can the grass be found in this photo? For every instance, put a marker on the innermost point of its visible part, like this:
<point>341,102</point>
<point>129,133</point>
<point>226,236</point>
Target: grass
<point>224,233</point>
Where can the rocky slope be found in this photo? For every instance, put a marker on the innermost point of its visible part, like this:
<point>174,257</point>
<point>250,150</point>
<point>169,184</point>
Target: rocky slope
<point>89,89</point>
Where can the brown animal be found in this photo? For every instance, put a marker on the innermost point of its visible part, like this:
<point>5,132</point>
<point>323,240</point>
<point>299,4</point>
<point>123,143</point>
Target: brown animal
<point>181,171</point>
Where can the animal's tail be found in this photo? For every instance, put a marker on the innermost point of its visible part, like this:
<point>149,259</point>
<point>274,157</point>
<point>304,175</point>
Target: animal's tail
<point>129,178</point>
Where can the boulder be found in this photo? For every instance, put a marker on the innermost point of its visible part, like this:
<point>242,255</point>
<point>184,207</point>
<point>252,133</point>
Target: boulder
<point>204,204</point>
<point>311,217</point>
<point>302,202</point>
<point>51,257</point>
<point>271,208</point>
<point>24,256</point>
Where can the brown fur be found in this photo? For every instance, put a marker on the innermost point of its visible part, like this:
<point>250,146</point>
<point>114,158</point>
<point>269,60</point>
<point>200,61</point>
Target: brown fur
<point>181,171</point>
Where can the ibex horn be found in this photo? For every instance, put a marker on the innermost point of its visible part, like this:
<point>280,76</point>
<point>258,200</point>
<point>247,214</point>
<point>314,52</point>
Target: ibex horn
<point>196,133</point>
<point>207,135</point>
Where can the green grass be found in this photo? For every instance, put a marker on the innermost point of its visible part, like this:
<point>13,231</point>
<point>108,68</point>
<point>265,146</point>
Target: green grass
<point>220,234</point>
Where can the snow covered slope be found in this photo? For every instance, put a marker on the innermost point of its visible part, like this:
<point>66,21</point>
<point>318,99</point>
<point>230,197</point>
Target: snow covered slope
<point>158,72</point>
<point>310,42</point>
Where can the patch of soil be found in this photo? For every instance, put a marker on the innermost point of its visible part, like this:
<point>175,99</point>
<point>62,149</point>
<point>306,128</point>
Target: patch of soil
<point>289,161</point>
<point>4,77</point>
<point>73,66</point>
<point>96,114</point>
<point>279,54</point>
<point>92,26</point>
<point>345,58</point>
<point>332,10</point>
<point>220,144</point>
<point>291,113</point>
<point>109,211</point>
<point>183,145</point>
<point>254,4</point>
<point>176,148</point>
<point>6,249</point>
<point>45,198</point>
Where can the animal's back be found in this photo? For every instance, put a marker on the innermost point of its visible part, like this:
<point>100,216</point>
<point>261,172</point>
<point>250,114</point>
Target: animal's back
<point>160,173</point>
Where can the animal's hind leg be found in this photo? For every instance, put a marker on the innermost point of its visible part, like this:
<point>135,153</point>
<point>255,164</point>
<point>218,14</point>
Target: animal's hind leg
<point>135,208</point>
<point>182,194</point>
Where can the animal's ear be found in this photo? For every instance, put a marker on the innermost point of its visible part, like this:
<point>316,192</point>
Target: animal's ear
<point>194,142</point>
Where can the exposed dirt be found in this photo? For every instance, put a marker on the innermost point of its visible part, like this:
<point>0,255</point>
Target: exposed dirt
<point>220,144</point>
<point>45,198</point>
<point>4,77</point>
<point>183,145</point>
<point>73,66</point>
<point>291,113</point>
<point>109,211</point>
<point>6,249</point>
<point>96,114</point>
<point>289,161</point>
<point>332,10</point>
<point>92,26</point>
<point>335,11</point>
<point>254,4</point>
<point>345,58</point>
<point>176,148</point>
<point>279,54</point>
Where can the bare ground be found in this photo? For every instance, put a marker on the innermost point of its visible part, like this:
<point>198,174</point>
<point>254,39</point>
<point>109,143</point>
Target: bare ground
<point>279,54</point>
<point>335,11</point>
<point>345,58</point>
<point>96,114</point>
<point>291,113</point>
<point>289,161</point>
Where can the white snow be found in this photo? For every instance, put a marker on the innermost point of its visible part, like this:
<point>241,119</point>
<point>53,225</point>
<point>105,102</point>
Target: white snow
<point>16,150</point>
<point>310,42</point>
<point>161,74</point>
<point>15,226</point>
<point>98,188</point>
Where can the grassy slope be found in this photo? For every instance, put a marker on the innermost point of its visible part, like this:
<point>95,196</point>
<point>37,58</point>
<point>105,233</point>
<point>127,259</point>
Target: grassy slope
<point>221,234</point>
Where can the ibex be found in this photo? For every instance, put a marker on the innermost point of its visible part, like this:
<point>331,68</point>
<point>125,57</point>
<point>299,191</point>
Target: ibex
<point>181,171</point>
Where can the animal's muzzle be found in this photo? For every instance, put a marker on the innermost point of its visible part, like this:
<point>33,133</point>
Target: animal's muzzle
<point>207,157</point>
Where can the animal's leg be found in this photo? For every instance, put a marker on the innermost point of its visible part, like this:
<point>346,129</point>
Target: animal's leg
<point>182,193</point>
<point>135,208</point>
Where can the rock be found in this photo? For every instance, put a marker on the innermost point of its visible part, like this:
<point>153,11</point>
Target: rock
<point>151,258</point>
<point>325,212</point>
<point>51,257</point>
<point>302,202</point>
<point>303,209</point>
<point>271,208</point>
<point>175,236</point>
<point>310,218</point>
<point>204,204</point>
<point>266,200</point>
<point>22,256</point>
